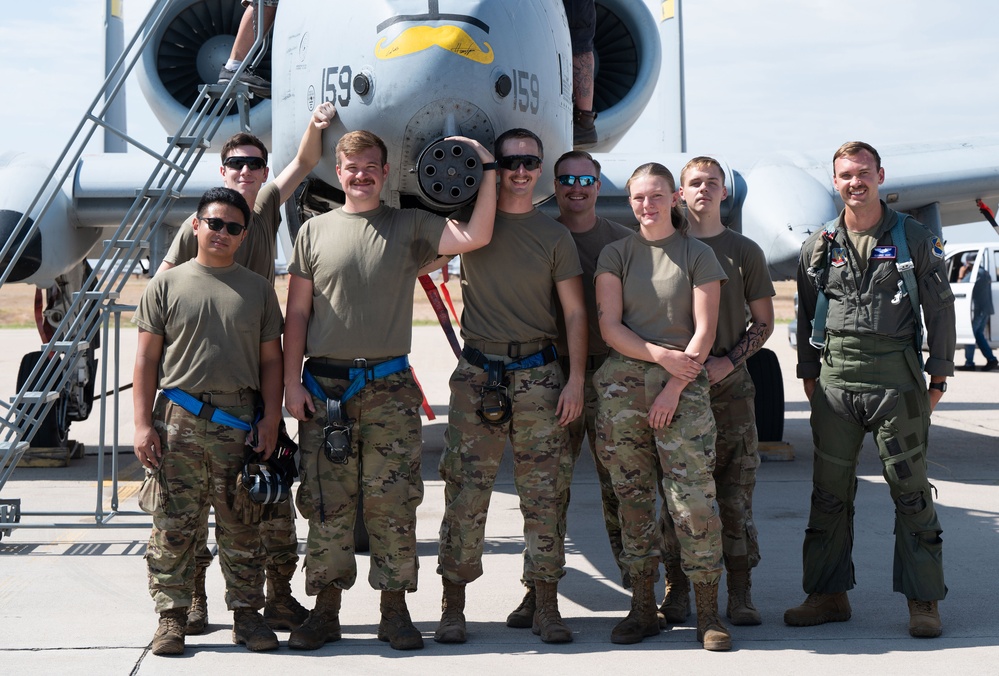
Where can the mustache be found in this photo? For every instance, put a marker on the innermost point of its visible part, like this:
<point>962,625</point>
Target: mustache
<point>419,38</point>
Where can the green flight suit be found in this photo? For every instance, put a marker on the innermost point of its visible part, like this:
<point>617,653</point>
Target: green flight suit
<point>869,381</point>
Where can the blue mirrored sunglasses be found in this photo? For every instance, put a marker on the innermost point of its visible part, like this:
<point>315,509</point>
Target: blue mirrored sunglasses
<point>569,179</point>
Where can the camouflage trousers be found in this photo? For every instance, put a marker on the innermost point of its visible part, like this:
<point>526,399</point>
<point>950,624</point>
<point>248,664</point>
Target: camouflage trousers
<point>201,464</point>
<point>584,427</point>
<point>383,468</point>
<point>277,535</point>
<point>634,453</point>
<point>737,457</point>
<point>542,468</point>
<point>868,387</point>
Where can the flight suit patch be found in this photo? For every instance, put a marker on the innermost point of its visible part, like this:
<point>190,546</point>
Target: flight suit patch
<point>837,258</point>
<point>936,246</point>
<point>883,253</point>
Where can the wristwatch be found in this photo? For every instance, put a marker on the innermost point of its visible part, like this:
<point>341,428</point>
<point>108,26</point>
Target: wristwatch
<point>486,166</point>
<point>939,386</point>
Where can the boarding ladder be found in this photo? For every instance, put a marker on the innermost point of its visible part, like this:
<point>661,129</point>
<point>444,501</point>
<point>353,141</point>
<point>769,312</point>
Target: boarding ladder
<point>93,308</point>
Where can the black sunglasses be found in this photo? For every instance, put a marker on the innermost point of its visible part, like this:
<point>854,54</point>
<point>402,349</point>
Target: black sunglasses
<point>584,181</point>
<point>238,162</point>
<point>216,225</point>
<point>514,162</point>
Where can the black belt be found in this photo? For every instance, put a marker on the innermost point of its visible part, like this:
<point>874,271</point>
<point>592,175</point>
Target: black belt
<point>540,358</point>
<point>511,350</point>
<point>325,368</point>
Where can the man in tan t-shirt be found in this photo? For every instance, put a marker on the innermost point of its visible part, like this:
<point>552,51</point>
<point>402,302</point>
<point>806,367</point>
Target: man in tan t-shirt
<point>350,313</point>
<point>702,187</point>
<point>244,169</point>
<point>508,384</point>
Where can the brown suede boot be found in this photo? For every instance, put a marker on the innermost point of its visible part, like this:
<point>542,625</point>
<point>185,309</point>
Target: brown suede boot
<point>740,607</point>
<point>924,619</point>
<point>710,630</point>
<point>523,616</point>
<point>248,627</point>
<point>642,621</point>
<point>197,613</point>
<point>169,636</point>
<point>547,621</point>
<point>819,609</point>
<point>452,626</point>
<point>675,607</point>
<point>281,610</point>
<point>396,627</point>
<point>322,625</point>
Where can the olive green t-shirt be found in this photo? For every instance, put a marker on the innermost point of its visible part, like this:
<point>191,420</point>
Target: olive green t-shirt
<point>258,250</point>
<point>508,286</point>
<point>657,280</point>
<point>745,265</point>
<point>589,244</point>
<point>363,269</point>
<point>213,321</point>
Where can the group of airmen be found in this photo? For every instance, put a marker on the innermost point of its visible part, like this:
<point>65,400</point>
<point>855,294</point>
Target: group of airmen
<point>576,327</point>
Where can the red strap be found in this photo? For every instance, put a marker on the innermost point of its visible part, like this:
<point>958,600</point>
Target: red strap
<point>447,299</point>
<point>426,404</point>
<point>442,316</point>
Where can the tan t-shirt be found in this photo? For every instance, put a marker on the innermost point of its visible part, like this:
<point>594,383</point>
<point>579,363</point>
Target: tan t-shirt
<point>258,250</point>
<point>658,279</point>
<point>745,264</point>
<point>508,285</point>
<point>213,321</point>
<point>363,268</point>
<point>589,244</point>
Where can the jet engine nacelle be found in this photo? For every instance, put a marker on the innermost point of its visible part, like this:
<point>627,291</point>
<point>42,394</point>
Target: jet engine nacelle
<point>187,49</point>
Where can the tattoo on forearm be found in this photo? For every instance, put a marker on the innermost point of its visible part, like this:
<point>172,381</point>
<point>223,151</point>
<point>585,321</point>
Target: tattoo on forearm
<point>600,312</point>
<point>751,342</point>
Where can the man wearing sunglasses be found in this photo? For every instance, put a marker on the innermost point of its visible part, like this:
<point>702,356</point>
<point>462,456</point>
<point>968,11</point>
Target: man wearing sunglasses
<point>244,169</point>
<point>210,334</point>
<point>508,384</point>
<point>577,185</point>
<point>350,313</point>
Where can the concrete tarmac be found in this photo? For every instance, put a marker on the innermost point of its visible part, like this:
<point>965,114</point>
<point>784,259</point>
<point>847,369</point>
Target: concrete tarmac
<point>73,597</point>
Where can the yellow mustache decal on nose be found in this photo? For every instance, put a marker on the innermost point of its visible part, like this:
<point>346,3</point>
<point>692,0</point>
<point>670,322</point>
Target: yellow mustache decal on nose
<point>419,38</point>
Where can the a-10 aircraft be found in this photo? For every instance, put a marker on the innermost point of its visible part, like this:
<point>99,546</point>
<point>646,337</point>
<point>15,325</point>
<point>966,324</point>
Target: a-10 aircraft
<point>416,71</point>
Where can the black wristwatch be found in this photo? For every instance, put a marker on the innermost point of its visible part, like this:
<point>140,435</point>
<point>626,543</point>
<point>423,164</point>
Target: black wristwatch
<point>486,166</point>
<point>939,386</point>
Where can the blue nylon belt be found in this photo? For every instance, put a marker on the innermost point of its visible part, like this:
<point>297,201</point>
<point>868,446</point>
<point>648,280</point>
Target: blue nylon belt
<point>202,409</point>
<point>359,377</point>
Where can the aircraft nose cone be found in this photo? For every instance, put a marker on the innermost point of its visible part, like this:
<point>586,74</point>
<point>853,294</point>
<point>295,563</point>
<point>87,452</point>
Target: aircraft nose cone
<point>31,258</point>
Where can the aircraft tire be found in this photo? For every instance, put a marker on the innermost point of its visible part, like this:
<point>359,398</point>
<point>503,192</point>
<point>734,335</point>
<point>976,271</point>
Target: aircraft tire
<point>49,434</point>
<point>765,371</point>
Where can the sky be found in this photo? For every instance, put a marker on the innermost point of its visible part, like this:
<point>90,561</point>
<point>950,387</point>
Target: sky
<point>788,75</point>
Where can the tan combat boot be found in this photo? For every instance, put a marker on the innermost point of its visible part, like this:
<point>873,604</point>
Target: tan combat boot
<point>197,614</point>
<point>710,630</point>
<point>642,621</point>
<point>740,607</point>
<point>819,609</point>
<point>248,627</point>
<point>281,610</point>
<point>396,627</point>
<point>675,607</point>
<point>169,636</point>
<point>924,619</point>
<point>523,616</point>
<point>547,621</point>
<point>323,624</point>
<point>452,626</point>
